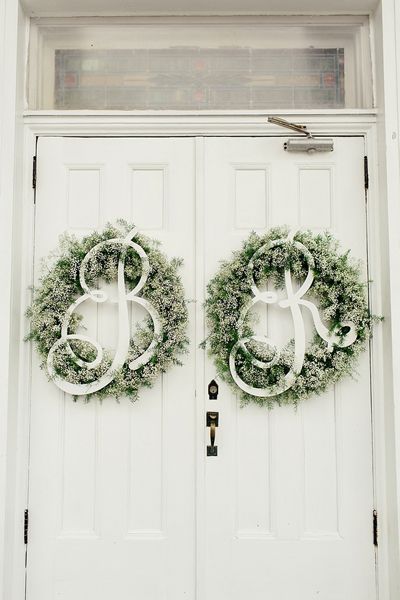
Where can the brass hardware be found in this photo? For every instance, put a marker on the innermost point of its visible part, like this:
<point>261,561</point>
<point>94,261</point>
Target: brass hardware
<point>213,390</point>
<point>212,421</point>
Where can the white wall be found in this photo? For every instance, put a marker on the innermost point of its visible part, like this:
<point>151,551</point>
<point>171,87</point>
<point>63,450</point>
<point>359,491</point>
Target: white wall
<point>12,27</point>
<point>387,98</point>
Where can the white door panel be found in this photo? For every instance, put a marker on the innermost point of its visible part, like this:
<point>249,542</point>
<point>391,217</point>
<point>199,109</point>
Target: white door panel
<point>289,498</point>
<point>112,498</point>
<point>111,493</point>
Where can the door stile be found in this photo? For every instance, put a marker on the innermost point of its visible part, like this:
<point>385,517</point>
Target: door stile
<point>213,169</point>
<point>371,361</point>
<point>375,365</point>
<point>17,579</point>
<point>200,384</point>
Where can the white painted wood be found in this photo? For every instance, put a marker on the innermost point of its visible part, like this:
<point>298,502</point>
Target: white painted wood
<point>127,7</point>
<point>111,492</point>
<point>293,299</point>
<point>386,44</point>
<point>343,124</point>
<point>13,35</point>
<point>279,503</point>
<point>214,123</point>
<point>290,492</point>
<point>99,296</point>
<point>200,372</point>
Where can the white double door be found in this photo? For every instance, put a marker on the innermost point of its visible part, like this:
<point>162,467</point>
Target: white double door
<point>124,504</point>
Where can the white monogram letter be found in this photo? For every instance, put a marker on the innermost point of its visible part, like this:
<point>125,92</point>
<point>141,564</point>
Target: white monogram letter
<point>123,322</point>
<point>293,301</point>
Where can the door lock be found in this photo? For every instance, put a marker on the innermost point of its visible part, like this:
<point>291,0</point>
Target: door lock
<point>213,390</point>
<point>212,421</point>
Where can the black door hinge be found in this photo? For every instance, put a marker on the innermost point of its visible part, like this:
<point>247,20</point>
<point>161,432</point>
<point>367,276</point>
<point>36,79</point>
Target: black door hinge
<point>34,172</point>
<point>26,523</point>
<point>375,527</point>
<point>366,173</point>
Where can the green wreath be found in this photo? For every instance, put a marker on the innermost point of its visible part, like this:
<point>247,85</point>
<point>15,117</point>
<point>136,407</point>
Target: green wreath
<point>314,275</point>
<point>78,270</point>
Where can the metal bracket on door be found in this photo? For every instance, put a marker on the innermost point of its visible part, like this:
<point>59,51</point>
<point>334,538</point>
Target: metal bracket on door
<point>308,144</point>
<point>212,421</point>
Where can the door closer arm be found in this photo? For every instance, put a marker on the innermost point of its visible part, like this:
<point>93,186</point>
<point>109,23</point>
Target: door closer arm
<point>308,144</point>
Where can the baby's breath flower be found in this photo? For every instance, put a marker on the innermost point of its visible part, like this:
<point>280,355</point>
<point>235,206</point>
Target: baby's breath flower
<point>59,287</point>
<point>337,290</point>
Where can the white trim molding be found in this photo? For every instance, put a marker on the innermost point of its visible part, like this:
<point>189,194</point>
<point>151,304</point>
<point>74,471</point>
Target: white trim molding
<point>68,8</point>
<point>192,123</point>
<point>388,175</point>
<point>156,124</point>
<point>13,28</point>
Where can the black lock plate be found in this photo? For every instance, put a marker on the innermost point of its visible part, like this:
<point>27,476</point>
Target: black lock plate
<point>212,417</point>
<point>213,390</point>
<point>212,450</point>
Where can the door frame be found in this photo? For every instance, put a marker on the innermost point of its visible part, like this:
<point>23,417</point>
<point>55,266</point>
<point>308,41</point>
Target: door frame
<point>192,124</point>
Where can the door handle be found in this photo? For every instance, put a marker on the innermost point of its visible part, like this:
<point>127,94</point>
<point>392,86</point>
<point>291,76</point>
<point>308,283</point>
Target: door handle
<point>212,421</point>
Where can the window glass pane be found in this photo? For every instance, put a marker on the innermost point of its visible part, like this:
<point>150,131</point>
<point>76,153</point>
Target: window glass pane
<point>196,78</point>
<point>190,66</point>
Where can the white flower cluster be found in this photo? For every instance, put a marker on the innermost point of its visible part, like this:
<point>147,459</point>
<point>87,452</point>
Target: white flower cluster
<point>59,287</point>
<point>337,289</point>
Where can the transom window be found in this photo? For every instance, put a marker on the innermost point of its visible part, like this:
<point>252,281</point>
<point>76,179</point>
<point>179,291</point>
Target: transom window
<point>200,64</point>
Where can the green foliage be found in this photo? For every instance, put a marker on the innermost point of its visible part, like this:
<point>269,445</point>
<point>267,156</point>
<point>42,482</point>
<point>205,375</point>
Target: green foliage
<point>337,290</point>
<point>59,288</point>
